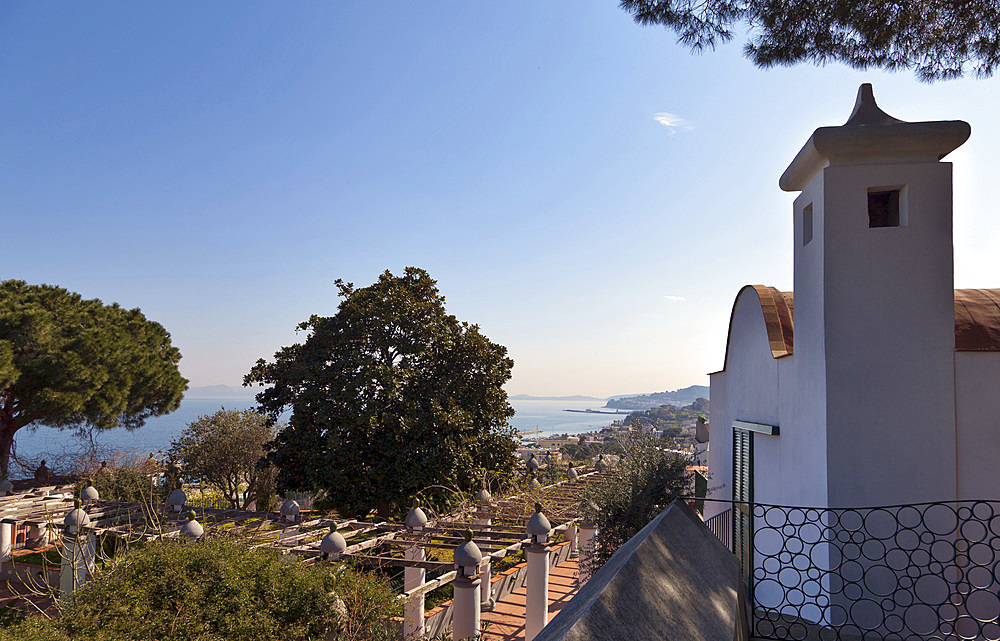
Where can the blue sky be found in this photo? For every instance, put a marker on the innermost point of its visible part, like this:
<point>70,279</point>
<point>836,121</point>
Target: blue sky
<point>586,190</point>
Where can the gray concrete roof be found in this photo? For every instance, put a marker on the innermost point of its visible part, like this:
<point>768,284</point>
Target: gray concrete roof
<point>673,580</point>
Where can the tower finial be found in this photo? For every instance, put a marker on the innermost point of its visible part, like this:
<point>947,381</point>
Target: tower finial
<point>866,110</point>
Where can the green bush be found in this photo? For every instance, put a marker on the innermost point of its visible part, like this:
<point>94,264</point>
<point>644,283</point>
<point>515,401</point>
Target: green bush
<point>219,589</point>
<point>126,484</point>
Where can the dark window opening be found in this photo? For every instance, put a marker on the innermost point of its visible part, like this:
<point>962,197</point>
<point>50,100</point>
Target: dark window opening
<point>883,208</point>
<point>807,224</point>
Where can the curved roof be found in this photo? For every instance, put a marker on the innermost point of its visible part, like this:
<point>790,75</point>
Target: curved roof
<point>977,319</point>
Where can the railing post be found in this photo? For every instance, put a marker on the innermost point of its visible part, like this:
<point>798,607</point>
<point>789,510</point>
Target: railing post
<point>413,577</point>
<point>484,525</point>
<point>537,553</point>
<point>571,537</point>
<point>78,552</point>
<point>466,606</point>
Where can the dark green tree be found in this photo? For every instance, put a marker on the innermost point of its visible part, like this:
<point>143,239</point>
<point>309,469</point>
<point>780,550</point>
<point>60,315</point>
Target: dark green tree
<point>937,39</point>
<point>389,397</point>
<point>68,362</point>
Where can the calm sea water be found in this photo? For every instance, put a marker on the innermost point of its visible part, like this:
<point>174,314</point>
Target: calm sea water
<point>547,416</point>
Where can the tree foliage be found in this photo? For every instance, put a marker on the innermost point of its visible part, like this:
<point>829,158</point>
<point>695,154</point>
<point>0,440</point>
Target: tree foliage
<point>68,362</point>
<point>937,39</point>
<point>641,484</point>
<point>389,397</point>
<point>218,590</point>
<point>223,450</point>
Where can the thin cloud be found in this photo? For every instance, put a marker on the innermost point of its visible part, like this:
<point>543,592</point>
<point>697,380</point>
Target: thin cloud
<point>676,298</point>
<point>673,122</point>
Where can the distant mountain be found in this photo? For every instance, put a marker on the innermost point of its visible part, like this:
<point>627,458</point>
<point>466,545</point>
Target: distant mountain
<point>683,396</point>
<point>222,392</point>
<point>528,397</point>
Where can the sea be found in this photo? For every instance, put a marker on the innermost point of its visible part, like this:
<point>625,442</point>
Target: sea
<point>540,417</point>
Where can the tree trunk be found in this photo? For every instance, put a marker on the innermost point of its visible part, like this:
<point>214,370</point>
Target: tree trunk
<point>6,444</point>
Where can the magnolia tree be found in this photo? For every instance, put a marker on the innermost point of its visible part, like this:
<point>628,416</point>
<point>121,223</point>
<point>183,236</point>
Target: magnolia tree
<point>389,397</point>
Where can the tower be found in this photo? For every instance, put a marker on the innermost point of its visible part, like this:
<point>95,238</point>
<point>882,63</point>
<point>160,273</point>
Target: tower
<point>874,303</point>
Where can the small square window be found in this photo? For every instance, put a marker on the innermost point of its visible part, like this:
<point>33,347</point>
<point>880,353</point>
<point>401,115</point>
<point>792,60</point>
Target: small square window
<point>807,224</point>
<point>883,208</point>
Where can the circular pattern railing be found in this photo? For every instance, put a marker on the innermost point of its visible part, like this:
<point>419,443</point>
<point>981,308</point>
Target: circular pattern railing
<point>909,572</point>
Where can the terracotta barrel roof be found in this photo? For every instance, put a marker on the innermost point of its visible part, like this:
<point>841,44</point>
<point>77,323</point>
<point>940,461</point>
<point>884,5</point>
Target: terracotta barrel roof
<point>977,320</point>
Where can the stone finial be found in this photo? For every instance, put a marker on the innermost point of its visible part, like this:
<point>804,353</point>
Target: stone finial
<point>572,474</point>
<point>289,510</point>
<point>192,529</point>
<point>76,519</point>
<point>177,499</point>
<point>602,465</point>
<point>468,555</point>
<point>6,487</point>
<point>532,463</point>
<point>538,526</point>
<point>333,543</point>
<point>89,493</point>
<point>483,497</point>
<point>535,485</point>
<point>415,518</point>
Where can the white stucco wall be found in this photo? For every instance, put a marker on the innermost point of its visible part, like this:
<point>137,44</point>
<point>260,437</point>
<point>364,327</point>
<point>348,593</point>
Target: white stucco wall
<point>977,379</point>
<point>889,331</point>
<point>746,390</point>
<point>803,375</point>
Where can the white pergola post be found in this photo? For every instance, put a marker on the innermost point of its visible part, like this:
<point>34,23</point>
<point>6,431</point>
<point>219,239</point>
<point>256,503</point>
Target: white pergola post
<point>6,542</point>
<point>537,552</point>
<point>78,552</point>
<point>413,610</point>
<point>587,533</point>
<point>571,537</point>
<point>484,526</point>
<point>466,610</point>
<point>413,621</point>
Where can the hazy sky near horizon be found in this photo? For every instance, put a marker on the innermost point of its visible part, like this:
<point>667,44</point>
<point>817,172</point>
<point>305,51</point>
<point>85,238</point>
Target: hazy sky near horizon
<point>588,191</point>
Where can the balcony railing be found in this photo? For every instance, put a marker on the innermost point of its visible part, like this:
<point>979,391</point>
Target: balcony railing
<point>921,571</point>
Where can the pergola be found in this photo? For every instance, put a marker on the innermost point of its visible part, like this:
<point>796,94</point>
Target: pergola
<point>495,528</point>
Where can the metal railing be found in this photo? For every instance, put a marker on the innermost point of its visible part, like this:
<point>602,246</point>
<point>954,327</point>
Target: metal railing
<point>721,526</point>
<point>902,572</point>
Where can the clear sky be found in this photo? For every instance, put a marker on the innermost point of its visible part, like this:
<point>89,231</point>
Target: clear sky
<point>586,190</point>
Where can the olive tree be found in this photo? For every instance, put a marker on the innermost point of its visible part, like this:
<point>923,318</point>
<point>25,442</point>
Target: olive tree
<point>644,480</point>
<point>225,450</point>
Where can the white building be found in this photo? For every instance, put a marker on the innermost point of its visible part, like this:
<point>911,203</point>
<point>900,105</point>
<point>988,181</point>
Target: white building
<point>877,383</point>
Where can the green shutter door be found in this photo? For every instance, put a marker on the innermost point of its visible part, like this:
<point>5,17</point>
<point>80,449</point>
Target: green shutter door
<point>743,499</point>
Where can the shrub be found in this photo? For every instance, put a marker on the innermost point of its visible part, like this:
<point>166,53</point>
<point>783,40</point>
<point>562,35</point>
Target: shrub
<point>219,589</point>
